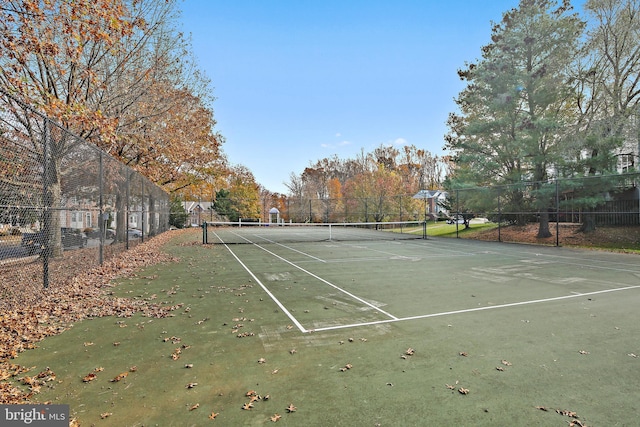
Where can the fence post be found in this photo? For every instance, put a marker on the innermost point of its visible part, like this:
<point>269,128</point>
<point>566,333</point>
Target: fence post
<point>499,216</point>
<point>127,208</point>
<point>557,213</point>
<point>46,220</point>
<point>142,220</point>
<point>102,224</point>
<point>457,211</point>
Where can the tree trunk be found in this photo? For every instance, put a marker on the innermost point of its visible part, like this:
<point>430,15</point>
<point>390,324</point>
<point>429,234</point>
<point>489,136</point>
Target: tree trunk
<point>121,218</point>
<point>543,230</point>
<point>588,222</point>
<point>52,234</point>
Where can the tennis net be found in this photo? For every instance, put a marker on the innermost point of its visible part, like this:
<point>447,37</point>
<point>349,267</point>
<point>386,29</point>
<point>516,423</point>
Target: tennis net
<point>261,233</point>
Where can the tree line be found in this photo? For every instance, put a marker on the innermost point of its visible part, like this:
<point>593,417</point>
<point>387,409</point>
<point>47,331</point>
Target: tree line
<point>120,74</point>
<point>553,95</point>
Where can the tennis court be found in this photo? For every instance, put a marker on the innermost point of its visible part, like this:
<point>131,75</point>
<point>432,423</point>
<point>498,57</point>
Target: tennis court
<point>366,330</point>
<point>328,283</point>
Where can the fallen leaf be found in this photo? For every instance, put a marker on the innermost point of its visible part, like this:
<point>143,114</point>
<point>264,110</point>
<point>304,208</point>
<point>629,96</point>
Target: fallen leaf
<point>89,377</point>
<point>120,377</point>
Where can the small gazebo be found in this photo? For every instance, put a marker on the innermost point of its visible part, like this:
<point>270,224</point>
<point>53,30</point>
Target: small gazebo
<point>274,216</point>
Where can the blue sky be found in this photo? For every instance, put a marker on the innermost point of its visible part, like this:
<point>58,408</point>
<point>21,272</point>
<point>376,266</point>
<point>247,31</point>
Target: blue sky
<point>298,81</point>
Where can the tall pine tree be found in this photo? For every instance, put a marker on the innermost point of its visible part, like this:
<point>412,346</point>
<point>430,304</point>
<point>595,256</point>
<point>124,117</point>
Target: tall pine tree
<point>512,111</point>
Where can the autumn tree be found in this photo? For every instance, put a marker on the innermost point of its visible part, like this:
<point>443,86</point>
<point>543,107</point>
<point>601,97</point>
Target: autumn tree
<point>333,188</point>
<point>419,169</point>
<point>117,73</point>
<point>375,195</point>
<point>240,198</point>
<point>51,56</point>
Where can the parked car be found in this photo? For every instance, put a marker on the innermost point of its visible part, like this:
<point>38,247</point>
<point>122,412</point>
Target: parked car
<point>133,233</point>
<point>456,220</point>
<point>72,237</point>
<point>94,233</point>
<point>34,242</point>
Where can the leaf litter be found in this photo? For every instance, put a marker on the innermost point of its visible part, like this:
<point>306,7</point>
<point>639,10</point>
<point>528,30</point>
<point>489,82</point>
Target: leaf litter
<point>30,313</point>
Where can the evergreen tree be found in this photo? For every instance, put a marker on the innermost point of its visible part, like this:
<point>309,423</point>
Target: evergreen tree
<point>512,112</point>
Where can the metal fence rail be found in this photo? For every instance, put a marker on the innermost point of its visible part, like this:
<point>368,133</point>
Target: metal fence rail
<point>62,199</point>
<point>563,204</point>
<point>595,201</point>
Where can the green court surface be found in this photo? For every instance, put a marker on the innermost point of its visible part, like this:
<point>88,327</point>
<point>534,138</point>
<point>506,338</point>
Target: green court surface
<point>362,333</point>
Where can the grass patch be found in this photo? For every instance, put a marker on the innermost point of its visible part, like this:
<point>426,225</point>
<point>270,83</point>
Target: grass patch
<point>442,229</point>
<point>227,339</point>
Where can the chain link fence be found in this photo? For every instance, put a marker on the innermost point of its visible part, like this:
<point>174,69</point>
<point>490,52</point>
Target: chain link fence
<point>361,209</point>
<point>314,210</point>
<point>569,204</point>
<point>562,205</point>
<point>65,205</point>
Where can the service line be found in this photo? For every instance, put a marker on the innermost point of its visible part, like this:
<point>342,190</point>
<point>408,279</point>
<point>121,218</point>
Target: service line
<point>273,297</point>
<point>357,298</point>
<point>469,310</point>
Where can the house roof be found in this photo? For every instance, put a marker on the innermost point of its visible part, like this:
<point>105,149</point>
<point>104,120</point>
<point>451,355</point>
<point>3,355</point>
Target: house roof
<point>194,206</point>
<point>429,194</point>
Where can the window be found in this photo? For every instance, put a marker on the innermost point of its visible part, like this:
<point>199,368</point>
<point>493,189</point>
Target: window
<point>625,162</point>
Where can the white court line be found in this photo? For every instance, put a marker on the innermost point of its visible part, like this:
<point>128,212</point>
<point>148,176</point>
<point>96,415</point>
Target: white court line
<point>285,246</point>
<point>363,246</point>
<point>469,310</point>
<point>558,258</point>
<point>273,297</point>
<point>357,298</point>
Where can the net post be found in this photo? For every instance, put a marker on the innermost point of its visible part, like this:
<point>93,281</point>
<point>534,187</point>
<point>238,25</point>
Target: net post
<point>204,233</point>
<point>424,229</point>
<point>329,232</point>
